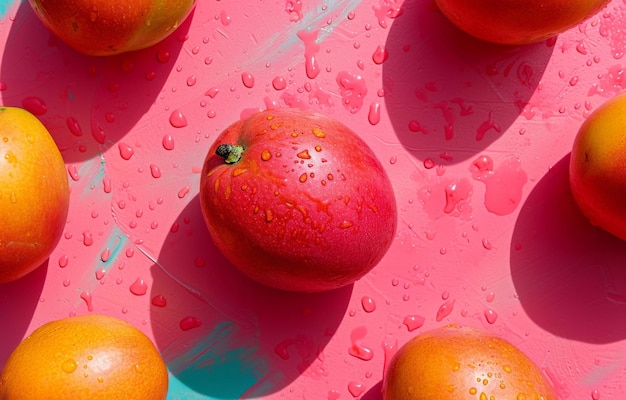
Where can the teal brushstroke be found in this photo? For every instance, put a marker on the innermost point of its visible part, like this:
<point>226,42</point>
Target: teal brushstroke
<point>216,368</point>
<point>5,6</point>
<point>315,19</point>
<point>115,243</point>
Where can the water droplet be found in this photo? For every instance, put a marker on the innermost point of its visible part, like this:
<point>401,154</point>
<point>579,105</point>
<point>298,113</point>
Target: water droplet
<point>212,92</point>
<point>63,260</point>
<point>356,389</point>
<point>225,19</point>
<point>490,315</point>
<point>444,310</point>
<point>368,304</point>
<point>69,366</point>
<point>87,238</point>
<point>456,193</point>
<point>106,183</point>
<point>178,119</point>
<point>595,394</point>
<point>35,105</point>
<point>159,301</point>
<point>191,80</point>
<point>100,273</point>
<point>74,126</point>
<point>126,152</point>
<point>311,48</point>
<point>352,89</point>
<point>247,79</point>
<point>413,322</point>
<point>88,299</point>
<point>183,192</point>
<point>168,142</point>
<point>73,172</point>
<point>155,171</point>
<point>139,287</point>
<point>105,255</point>
<point>266,155</point>
<point>380,55</point>
<point>163,56</point>
<point>374,114</point>
<point>279,83</point>
<point>188,323</point>
<point>304,154</point>
<point>358,350</point>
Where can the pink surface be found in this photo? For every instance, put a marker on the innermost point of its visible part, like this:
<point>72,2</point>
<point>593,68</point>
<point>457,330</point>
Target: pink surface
<point>475,138</point>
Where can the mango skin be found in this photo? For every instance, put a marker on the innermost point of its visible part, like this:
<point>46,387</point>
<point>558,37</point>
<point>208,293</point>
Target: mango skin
<point>597,170</point>
<point>307,208</point>
<point>108,27</point>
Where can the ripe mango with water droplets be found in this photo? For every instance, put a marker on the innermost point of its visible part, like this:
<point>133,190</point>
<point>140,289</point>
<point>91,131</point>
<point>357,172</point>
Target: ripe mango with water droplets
<point>34,193</point>
<point>297,201</point>
<point>107,27</point>
<point>458,363</point>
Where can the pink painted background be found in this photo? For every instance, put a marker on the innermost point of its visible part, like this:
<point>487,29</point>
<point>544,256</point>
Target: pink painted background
<point>475,138</point>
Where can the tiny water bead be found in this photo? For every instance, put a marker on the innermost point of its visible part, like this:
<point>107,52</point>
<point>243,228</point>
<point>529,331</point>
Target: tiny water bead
<point>139,287</point>
<point>413,322</point>
<point>444,310</point>
<point>368,304</point>
<point>178,119</point>
<point>491,316</point>
<point>159,301</point>
<point>35,105</point>
<point>126,151</point>
<point>73,172</point>
<point>88,299</point>
<point>247,79</point>
<point>189,322</point>
<point>311,47</point>
<point>356,388</point>
<point>68,366</point>
<point>380,55</point>
<point>155,171</point>
<point>87,238</point>
<point>168,142</point>
<point>63,261</point>
<point>74,126</point>
<point>279,83</point>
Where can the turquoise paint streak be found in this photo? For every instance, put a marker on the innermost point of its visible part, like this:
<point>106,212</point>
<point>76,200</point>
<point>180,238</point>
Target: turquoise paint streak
<point>215,368</point>
<point>315,19</point>
<point>5,6</point>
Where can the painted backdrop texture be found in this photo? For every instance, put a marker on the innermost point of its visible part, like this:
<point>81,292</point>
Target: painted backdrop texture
<point>476,140</point>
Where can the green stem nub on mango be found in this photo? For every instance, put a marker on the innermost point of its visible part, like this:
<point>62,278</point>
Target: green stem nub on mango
<point>230,153</point>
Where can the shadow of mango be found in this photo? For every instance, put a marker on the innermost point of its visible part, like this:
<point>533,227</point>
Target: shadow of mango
<point>224,336</point>
<point>448,95</point>
<point>568,274</point>
<point>87,103</point>
<point>18,302</point>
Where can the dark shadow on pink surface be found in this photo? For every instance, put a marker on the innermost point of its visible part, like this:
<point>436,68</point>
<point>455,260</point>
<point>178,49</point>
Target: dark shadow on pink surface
<point>570,276</point>
<point>449,95</point>
<point>374,393</point>
<point>87,103</point>
<point>18,301</point>
<point>252,340</point>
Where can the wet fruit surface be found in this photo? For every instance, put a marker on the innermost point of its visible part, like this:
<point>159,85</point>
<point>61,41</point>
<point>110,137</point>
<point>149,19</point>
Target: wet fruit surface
<point>518,22</point>
<point>297,201</point>
<point>597,174</point>
<point>85,357</point>
<point>457,363</point>
<point>34,193</point>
